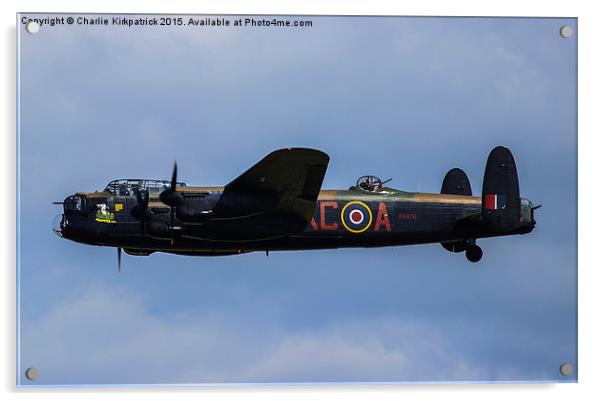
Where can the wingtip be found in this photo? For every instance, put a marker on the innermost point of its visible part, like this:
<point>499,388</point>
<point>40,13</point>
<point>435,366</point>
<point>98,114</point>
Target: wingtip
<point>301,150</point>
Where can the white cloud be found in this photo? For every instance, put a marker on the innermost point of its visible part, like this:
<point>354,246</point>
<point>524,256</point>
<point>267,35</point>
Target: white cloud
<point>379,349</point>
<point>106,335</point>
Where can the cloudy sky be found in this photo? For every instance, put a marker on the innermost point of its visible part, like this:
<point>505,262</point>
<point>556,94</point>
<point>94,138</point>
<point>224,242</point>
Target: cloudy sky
<point>407,98</point>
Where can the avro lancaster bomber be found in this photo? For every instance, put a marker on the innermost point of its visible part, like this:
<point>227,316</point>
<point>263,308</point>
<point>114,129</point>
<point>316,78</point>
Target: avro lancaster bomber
<point>278,205</point>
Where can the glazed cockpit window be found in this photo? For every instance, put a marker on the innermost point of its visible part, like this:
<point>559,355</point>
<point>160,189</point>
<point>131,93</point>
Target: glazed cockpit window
<point>127,187</point>
<point>369,183</point>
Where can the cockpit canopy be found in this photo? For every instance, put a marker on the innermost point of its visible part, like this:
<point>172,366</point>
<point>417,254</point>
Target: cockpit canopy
<point>369,183</point>
<point>126,187</point>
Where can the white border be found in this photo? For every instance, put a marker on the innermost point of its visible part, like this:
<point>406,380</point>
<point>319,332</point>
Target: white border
<point>590,32</point>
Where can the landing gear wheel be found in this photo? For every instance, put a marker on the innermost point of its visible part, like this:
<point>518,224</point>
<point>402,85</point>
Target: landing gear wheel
<point>474,253</point>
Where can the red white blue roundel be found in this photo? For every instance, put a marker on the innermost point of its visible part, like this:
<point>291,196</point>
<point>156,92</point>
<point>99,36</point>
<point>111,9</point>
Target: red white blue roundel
<point>356,217</point>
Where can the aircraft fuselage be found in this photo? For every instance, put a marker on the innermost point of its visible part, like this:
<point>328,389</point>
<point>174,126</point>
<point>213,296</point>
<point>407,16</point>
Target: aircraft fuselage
<point>341,218</point>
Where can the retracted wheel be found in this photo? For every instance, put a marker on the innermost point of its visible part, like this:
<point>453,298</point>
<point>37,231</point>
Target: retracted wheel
<point>474,253</point>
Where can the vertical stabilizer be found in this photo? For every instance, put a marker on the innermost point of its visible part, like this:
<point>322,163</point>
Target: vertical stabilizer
<point>456,183</point>
<point>500,196</point>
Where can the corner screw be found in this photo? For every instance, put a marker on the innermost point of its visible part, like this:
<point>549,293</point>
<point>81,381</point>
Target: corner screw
<point>31,373</point>
<point>566,31</point>
<point>566,369</point>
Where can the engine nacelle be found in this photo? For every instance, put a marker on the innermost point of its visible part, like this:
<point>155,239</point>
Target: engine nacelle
<point>159,229</point>
<point>192,215</point>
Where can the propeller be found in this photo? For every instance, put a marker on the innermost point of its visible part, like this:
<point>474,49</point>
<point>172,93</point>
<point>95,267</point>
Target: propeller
<point>119,260</point>
<point>170,196</point>
<point>140,210</point>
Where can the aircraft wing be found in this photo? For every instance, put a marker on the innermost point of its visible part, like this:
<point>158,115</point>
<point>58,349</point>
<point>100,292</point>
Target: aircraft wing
<point>285,184</point>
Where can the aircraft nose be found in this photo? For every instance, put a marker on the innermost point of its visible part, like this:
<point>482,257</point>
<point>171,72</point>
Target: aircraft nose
<point>58,224</point>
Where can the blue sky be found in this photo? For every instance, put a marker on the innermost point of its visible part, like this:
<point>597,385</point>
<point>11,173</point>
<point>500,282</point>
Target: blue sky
<point>407,98</point>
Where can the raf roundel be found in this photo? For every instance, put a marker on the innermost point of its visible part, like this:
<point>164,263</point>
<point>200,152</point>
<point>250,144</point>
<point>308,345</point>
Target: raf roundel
<point>356,217</point>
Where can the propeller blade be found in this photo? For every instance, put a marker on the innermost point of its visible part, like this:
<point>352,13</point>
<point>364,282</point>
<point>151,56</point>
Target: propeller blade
<point>171,197</point>
<point>119,260</point>
<point>140,210</point>
<point>174,176</point>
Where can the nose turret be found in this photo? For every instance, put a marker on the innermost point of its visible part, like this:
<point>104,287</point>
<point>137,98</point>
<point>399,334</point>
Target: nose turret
<point>57,224</point>
<point>69,223</point>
